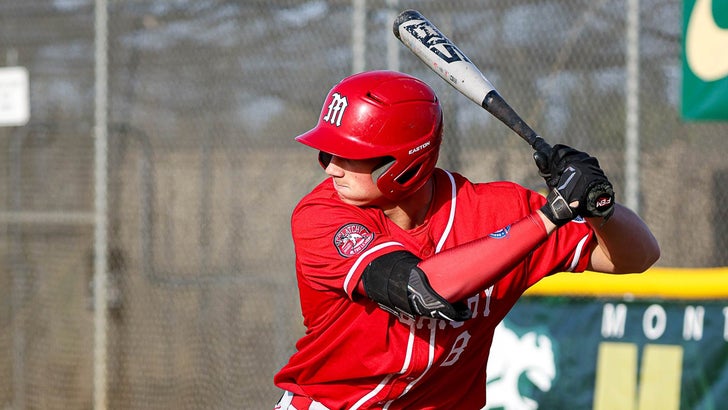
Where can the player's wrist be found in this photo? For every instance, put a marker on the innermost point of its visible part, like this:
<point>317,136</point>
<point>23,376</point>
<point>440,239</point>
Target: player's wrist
<point>556,209</point>
<point>548,226</point>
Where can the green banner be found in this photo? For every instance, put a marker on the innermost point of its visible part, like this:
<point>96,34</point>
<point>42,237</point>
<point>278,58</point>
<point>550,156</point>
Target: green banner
<point>567,353</point>
<point>705,60</point>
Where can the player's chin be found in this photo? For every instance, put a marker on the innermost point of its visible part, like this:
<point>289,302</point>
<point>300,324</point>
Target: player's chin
<point>358,196</point>
<point>356,200</point>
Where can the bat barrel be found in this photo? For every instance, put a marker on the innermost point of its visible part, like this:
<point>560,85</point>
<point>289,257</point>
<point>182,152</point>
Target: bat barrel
<point>441,55</point>
<point>444,58</point>
<point>404,17</point>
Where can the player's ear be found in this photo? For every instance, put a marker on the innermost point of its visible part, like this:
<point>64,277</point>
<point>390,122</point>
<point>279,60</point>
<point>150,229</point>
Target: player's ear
<point>383,167</point>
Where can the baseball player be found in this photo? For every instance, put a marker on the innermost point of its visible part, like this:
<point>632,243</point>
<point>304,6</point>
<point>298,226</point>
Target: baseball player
<point>405,269</point>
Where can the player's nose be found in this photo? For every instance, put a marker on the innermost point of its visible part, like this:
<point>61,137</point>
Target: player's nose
<point>333,166</point>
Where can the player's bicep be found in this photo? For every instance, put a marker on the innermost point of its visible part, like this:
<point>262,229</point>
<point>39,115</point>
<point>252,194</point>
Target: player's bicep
<point>600,261</point>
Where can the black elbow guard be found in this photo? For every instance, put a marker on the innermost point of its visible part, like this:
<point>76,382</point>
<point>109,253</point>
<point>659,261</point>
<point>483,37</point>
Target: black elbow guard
<point>397,284</point>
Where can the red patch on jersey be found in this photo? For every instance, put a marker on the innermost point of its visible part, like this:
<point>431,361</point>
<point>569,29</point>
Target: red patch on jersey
<point>352,239</point>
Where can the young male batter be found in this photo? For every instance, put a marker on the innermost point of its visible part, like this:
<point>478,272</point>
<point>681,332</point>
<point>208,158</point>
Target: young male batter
<point>404,269</point>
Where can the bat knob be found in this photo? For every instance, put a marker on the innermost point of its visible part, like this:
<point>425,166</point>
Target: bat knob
<point>600,200</point>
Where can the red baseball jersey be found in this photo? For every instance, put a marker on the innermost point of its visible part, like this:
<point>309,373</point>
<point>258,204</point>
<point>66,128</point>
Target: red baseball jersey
<point>355,355</point>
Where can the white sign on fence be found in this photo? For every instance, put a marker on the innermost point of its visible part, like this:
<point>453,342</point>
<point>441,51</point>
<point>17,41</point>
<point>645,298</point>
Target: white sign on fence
<point>14,96</point>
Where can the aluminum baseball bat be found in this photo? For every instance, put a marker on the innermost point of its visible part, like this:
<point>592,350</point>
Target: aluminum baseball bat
<point>440,54</point>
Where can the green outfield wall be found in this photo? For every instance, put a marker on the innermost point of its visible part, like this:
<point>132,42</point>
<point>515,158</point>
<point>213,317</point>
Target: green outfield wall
<point>658,340</point>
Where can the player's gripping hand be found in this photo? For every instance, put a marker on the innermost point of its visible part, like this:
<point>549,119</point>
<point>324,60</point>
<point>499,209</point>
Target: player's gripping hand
<point>578,186</point>
<point>552,165</point>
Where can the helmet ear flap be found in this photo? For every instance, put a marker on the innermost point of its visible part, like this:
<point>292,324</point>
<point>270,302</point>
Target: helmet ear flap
<point>382,168</point>
<point>396,178</point>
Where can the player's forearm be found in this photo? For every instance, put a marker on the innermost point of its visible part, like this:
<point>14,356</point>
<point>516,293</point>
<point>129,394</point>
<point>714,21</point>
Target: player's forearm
<point>626,244</point>
<point>460,272</point>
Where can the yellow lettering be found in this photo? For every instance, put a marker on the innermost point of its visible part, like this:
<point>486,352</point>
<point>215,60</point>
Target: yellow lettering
<point>659,377</point>
<point>616,379</point>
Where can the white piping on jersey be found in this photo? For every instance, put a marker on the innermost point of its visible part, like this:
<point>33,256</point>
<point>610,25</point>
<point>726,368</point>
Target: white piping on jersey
<point>372,393</point>
<point>577,254</point>
<point>430,359</point>
<point>450,220</point>
<point>361,258</point>
<point>403,370</point>
<point>405,367</point>
<point>413,325</point>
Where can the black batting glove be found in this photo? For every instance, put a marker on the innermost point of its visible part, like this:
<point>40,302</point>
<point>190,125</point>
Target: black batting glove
<point>576,179</point>
<point>552,165</point>
<point>598,194</point>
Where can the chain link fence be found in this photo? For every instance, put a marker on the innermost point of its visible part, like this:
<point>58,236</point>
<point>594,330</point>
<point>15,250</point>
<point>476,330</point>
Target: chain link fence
<point>205,97</point>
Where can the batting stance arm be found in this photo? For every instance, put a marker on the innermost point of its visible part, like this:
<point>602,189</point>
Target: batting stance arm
<point>624,243</point>
<point>465,270</point>
<point>401,282</point>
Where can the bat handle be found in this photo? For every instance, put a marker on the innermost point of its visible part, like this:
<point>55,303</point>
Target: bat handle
<point>542,162</point>
<point>541,154</point>
<point>496,105</point>
<point>539,145</point>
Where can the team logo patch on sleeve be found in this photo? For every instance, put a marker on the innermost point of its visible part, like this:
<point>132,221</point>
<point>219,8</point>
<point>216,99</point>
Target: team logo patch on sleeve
<point>352,239</point>
<point>501,233</point>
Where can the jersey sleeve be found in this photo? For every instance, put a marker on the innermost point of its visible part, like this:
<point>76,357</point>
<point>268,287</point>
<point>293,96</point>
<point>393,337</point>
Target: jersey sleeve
<point>334,243</point>
<point>568,249</point>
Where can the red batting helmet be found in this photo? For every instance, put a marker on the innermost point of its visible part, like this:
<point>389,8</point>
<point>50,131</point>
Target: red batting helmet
<point>382,114</point>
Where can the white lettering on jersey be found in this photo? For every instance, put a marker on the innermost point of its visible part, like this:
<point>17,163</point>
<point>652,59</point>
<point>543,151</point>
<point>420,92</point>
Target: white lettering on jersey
<point>457,349</point>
